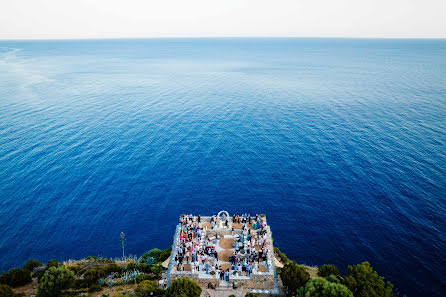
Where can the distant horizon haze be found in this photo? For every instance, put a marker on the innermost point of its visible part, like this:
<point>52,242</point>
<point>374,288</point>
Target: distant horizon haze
<point>101,19</point>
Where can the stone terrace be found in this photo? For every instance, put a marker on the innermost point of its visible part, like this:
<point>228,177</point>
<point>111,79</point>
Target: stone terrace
<point>263,278</point>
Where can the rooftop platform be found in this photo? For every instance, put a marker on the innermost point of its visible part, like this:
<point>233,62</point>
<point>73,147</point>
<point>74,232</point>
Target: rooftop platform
<point>225,244</point>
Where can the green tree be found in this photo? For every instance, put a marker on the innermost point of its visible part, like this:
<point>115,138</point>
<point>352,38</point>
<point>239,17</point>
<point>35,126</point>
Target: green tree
<point>327,269</point>
<point>31,264</point>
<point>183,287</point>
<point>147,288</point>
<point>249,294</point>
<point>16,277</point>
<point>54,281</point>
<point>320,287</point>
<point>6,291</point>
<point>294,276</point>
<point>156,269</point>
<point>333,279</point>
<point>363,281</point>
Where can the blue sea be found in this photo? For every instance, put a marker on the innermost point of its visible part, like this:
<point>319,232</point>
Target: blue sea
<point>340,142</point>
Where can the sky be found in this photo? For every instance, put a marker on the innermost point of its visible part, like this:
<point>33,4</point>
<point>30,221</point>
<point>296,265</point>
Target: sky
<point>55,19</point>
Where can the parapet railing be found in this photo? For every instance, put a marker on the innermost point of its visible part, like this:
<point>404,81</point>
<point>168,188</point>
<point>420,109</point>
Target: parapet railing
<point>176,236</point>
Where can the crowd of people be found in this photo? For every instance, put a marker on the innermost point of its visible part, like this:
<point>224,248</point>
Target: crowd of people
<point>251,246</point>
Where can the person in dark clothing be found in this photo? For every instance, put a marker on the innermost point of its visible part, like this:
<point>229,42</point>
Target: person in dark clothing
<point>199,219</point>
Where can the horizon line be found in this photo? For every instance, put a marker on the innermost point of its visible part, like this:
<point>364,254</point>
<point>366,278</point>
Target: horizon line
<point>220,37</point>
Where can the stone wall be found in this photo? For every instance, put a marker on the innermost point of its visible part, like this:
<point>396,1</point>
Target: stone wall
<point>256,281</point>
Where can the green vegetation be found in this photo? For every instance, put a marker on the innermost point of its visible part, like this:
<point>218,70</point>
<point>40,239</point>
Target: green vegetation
<point>333,278</point>
<point>31,264</point>
<point>155,256</point>
<point>142,277</point>
<point>363,281</point>
<point>54,281</point>
<point>283,258</point>
<point>92,275</point>
<point>157,269</point>
<point>145,268</point>
<point>320,287</point>
<point>249,294</point>
<point>293,277</point>
<point>52,263</point>
<point>94,288</point>
<point>148,288</point>
<point>183,288</point>
<point>328,269</point>
<point>16,277</point>
<point>6,291</point>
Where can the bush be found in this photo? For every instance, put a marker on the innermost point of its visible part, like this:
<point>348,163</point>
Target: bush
<point>294,276</point>
<point>52,263</point>
<point>140,267</point>
<point>142,277</point>
<point>333,279</point>
<point>249,294</point>
<point>92,275</point>
<point>363,281</point>
<point>164,255</point>
<point>6,291</point>
<point>147,288</point>
<point>157,269</point>
<point>38,274</point>
<point>157,255</point>
<point>183,288</point>
<point>232,295</point>
<point>16,277</point>
<point>54,281</point>
<point>283,258</point>
<point>327,269</point>
<point>320,287</point>
<point>31,264</point>
<point>94,288</point>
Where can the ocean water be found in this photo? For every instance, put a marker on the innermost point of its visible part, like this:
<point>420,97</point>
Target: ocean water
<point>341,142</point>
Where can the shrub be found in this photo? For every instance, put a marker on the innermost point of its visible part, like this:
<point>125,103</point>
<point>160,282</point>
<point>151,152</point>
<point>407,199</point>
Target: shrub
<point>6,291</point>
<point>31,264</point>
<point>147,288</point>
<point>95,288</point>
<point>333,278</point>
<point>16,277</point>
<point>363,281</point>
<point>54,281</point>
<point>164,255</point>
<point>156,254</point>
<point>249,294</point>
<point>52,263</point>
<point>320,287</point>
<point>182,288</point>
<point>38,274</point>
<point>140,267</point>
<point>92,275</point>
<point>232,295</point>
<point>283,258</point>
<point>157,269</point>
<point>142,277</point>
<point>294,276</point>
<point>327,269</point>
